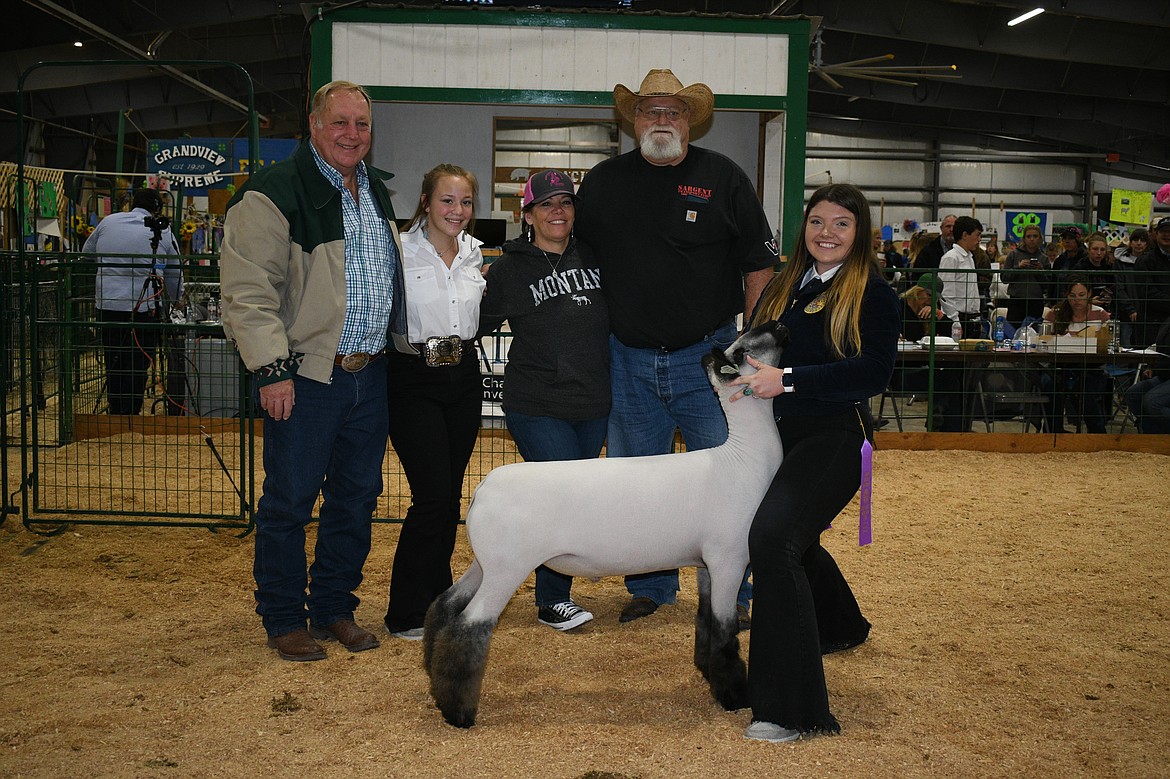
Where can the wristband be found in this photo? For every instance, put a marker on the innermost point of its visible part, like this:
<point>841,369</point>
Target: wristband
<point>786,380</point>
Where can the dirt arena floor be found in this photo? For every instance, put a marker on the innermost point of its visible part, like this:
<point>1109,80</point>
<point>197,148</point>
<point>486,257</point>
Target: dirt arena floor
<point>1020,607</point>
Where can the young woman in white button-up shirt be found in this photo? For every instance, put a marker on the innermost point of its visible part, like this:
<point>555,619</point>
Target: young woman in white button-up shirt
<point>435,398</point>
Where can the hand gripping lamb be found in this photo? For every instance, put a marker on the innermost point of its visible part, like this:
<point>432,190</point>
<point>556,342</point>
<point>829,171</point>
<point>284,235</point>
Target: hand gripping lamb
<point>610,517</point>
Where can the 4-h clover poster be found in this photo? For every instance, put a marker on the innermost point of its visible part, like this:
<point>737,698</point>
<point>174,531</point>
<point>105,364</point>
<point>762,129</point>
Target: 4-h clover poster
<point>1014,223</point>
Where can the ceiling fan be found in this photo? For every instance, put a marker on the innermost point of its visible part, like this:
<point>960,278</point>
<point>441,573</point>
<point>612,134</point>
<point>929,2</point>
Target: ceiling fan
<point>869,69</point>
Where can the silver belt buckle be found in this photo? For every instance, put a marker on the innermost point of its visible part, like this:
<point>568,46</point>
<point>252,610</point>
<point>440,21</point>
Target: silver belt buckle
<point>443,350</point>
<point>355,361</point>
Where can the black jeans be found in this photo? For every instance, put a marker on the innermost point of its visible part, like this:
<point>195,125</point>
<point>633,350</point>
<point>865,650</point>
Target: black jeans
<point>434,421</point>
<point>128,352</point>
<point>803,605</point>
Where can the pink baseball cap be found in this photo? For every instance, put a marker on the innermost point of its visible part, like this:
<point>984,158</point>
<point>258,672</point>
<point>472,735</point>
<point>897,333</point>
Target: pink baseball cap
<point>546,184</point>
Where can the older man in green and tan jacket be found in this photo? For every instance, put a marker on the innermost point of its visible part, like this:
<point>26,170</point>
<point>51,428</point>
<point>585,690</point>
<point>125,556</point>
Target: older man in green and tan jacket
<point>313,294</point>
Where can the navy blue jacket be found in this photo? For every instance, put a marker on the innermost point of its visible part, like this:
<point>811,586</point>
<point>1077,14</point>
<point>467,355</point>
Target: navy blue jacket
<point>825,384</point>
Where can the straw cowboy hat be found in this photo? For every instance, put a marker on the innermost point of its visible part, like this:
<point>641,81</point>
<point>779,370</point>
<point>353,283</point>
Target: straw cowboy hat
<point>663,83</point>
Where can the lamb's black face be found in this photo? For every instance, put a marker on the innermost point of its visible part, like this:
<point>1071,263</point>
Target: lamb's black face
<point>765,343</point>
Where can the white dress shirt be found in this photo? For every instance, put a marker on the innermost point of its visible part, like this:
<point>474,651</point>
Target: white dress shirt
<point>440,300</point>
<point>960,291</point>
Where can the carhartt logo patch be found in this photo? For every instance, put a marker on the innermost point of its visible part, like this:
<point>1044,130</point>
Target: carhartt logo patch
<point>692,216</point>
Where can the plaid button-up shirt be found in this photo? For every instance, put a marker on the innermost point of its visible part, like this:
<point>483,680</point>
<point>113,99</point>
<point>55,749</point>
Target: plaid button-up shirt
<point>370,261</point>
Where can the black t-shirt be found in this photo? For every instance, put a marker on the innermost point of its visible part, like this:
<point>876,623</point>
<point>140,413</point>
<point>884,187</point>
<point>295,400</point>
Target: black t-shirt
<point>673,243</point>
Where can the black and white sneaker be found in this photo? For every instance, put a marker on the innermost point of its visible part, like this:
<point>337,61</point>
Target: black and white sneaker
<point>563,616</point>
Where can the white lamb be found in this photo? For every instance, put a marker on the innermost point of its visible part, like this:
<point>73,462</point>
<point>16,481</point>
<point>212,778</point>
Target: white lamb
<point>616,516</point>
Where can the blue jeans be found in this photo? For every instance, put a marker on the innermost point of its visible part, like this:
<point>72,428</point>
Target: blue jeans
<point>1149,402</point>
<point>541,439</point>
<point>655,391</point>
<point>332,445</point>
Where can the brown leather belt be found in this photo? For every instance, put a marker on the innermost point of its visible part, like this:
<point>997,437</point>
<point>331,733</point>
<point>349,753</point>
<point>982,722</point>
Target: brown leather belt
<point>356,361</point>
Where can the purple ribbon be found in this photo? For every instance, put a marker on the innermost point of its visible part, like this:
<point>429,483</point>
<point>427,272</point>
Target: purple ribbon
<point>865,525</point>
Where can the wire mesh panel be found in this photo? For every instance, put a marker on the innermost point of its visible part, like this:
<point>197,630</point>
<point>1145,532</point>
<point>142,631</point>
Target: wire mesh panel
<point>181,453</point>
<point>1063,371</point>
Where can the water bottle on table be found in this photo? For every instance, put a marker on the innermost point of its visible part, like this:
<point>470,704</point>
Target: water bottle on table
<point>956,331</point>
<point>998,332</point>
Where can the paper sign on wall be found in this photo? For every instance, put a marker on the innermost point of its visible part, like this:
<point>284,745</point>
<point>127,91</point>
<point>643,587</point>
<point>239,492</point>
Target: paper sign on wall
<point>1130,206</point>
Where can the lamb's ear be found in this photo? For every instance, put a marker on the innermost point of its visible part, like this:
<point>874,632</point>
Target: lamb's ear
<point>717,364</point>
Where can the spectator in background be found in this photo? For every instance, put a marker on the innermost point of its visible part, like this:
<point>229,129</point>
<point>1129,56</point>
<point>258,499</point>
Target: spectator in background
<point>920,315</point>
<point>918,242</point>
<point>1124,293</point>
<point>1076,314</point>
<point>1072,250</point>
<point>1152,285</point>
<point>1025,270</point>
<point>1097,269</point>
<point>931,254</point>
<point>894,259</point>
<point>129,290</point>
<point>992,249</point>
<point>960,285</point>
<point>984,277</point>
<point>1052,250</point>
<point>921,312</point>
<point>1149,398</point>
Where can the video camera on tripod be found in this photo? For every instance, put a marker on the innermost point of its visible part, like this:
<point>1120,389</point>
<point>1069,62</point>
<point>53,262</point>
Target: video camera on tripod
<point>157,223</point>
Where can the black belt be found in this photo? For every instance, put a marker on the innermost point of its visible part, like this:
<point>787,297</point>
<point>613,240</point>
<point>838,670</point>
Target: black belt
<point>356,361</point>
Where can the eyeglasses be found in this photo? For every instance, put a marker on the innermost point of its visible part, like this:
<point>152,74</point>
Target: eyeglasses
<point>654,114</point>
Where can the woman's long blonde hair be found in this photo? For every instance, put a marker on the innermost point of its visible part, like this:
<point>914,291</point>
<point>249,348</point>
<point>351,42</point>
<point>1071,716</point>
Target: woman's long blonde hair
<point>843,299</point>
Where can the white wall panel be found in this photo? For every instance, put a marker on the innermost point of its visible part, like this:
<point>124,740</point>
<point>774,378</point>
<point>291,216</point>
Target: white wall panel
<point>524,57</point>
<point>686,57</point>
<point>462,71</point>
<point>492,74</point>
<point>429,62</point>
<point>590,59</point>
<point>750,55</point>
<point>622,49</point>
<point>554,59</point>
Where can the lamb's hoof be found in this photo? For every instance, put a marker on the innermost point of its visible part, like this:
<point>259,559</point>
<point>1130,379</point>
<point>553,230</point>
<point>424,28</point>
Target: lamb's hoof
<point>734,697</point>
<point>462,718</point>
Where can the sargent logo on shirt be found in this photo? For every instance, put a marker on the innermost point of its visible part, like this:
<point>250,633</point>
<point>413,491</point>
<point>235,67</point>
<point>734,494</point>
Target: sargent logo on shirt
<point>694,194</point>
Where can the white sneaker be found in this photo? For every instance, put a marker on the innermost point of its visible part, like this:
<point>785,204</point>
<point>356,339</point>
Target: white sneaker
<point>768,731</point>
<point>563,616</point>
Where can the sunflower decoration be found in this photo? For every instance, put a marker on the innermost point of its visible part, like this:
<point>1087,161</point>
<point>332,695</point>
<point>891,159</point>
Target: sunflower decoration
<point>81,226</point>
<point>188,228</point>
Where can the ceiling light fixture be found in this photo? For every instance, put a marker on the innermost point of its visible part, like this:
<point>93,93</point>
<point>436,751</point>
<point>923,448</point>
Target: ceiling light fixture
<point>1025,17</point>
<point>78,44</point>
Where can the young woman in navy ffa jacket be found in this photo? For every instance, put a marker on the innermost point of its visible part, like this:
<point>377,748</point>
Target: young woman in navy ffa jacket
<point>844,320</point>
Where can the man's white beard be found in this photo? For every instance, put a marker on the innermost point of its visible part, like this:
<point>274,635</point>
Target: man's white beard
<point>657,148</point>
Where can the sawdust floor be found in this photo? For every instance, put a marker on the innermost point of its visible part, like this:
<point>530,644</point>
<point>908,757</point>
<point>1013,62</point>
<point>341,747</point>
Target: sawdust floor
<point>1020,622</point>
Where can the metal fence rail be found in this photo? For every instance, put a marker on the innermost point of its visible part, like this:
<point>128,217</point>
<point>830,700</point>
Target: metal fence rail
<point>192,457</point>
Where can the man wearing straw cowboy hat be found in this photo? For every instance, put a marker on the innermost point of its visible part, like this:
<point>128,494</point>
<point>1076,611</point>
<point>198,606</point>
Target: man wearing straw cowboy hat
<point>684,247</point>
